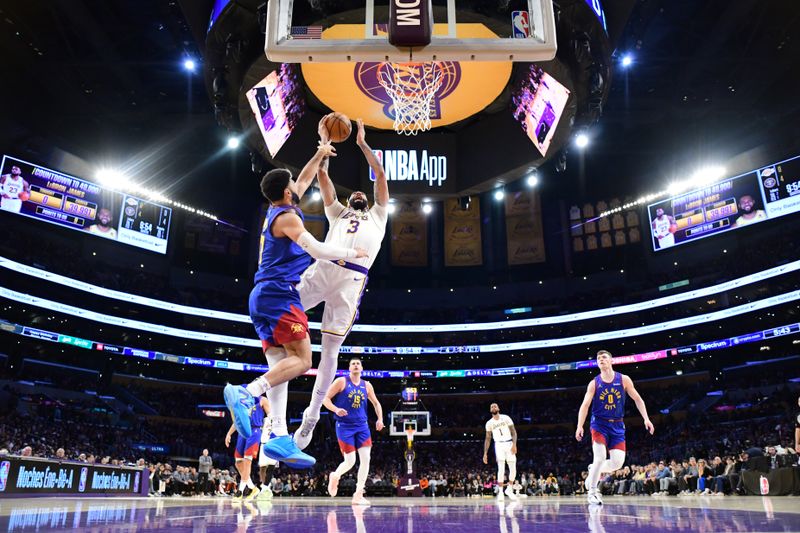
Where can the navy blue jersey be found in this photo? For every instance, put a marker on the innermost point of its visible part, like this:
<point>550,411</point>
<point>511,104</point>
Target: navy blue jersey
<point>609,398</point>
<point>352,399</point>
<point>280,258</point>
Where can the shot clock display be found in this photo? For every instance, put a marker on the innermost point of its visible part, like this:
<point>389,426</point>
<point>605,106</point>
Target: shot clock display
<point>38,192</point>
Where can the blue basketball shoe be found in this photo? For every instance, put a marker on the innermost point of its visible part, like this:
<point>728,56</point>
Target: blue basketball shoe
<point>240,403</point>
<point>285,450</point>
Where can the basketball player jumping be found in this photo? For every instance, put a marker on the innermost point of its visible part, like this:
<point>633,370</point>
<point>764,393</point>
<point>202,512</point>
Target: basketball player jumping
<point>606,395</point>
<point>340,284</point>
<point>247,448</point>
<point>11,187</point>
<point>275,307</point>
<point>501,428</point>
<point>347,398</point>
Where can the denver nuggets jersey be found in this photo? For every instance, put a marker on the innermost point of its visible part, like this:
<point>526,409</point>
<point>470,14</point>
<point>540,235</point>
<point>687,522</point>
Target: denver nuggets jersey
<point>352,399</point>
<point>257,415</point>
<point>357,229</point>
<point>609,398</point>
<point>280,259</point>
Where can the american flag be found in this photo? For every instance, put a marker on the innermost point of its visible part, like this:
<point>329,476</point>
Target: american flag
<point>306,32</point>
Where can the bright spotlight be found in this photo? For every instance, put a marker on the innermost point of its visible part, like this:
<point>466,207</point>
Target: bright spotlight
<point>499,194</point>
<point>233,143</point>
<point>316,196</point>
<point>708,175</point>
<point>627,60</point>
<point>581,140</point>
<point>532,180</point>
<point>189,65</point>
<point>390,208</point>
<point>112,178</point>
<point>427,208</point>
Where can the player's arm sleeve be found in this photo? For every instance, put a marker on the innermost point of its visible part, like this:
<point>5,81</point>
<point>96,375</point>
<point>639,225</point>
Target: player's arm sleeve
<point>323,250</point>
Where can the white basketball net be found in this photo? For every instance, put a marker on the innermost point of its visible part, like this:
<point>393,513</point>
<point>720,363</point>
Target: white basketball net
<point>411,86</point>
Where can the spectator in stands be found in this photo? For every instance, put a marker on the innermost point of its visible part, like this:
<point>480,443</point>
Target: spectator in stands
<point>704,474</point>
<point>60,454</point>
<point>722,481</point>
<point>688,483</point>
<point>27,451</point>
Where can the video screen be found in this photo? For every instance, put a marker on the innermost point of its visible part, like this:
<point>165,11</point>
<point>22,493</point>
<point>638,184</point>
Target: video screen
<point>539,101</point>
<point>38,192</point>
<point>277,103</point>
<point>750,198</point>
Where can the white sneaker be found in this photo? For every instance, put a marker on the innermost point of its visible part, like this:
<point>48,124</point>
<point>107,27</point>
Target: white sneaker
<point>333,484</point>
<point>500,495</point>
<point>265,494</point>
<point>302,437</point>
<point>510,493</point>
<point>358,498</point>
<point>594,498</point>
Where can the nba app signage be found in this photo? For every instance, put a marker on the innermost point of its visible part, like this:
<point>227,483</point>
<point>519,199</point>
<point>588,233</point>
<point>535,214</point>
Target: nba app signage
<point>414,166</point>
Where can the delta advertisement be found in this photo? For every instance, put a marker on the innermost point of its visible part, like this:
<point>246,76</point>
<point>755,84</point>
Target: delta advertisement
<point>20,476</point>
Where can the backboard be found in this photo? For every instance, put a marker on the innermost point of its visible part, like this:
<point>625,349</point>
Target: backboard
<point>400,420</point>
<point>308,31</point>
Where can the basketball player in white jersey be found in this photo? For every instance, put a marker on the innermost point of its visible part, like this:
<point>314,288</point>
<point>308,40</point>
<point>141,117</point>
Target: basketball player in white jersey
<point>661,229</point>
<point>339,284</point>
<point>501,429</point>
<point>11,186</point>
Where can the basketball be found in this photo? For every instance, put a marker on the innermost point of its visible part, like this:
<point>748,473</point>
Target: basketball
<point>24,196</point>
<point>673,228</point>
<point>338,126</point>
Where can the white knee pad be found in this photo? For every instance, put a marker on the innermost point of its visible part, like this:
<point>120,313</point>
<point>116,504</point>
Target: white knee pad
<point>617,459</point>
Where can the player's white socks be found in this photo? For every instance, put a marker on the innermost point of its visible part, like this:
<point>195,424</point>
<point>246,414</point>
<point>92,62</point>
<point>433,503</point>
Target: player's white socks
<point>242,485</point>
<point>512,472</point>
<point>599,451</point>
<point>363,467</point>
<point>250,483</point>
<point>278,395</point>
<point>258,386</point>
<point>348,463</point>
<point>325,373</point>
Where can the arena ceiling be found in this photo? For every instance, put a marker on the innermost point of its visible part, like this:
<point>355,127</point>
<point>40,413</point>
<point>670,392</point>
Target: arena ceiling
<point>90,82</point>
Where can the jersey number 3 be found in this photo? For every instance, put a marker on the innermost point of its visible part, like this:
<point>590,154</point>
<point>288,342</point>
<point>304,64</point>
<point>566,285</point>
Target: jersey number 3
<point>353,226</point>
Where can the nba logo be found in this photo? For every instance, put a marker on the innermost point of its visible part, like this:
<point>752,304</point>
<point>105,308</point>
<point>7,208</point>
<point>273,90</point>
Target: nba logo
<point>520,25</point>
<point>84,475</point>
<point>764,482</point>
<point>5,466</point>
<point>379,157</point>
<point>136,481</point>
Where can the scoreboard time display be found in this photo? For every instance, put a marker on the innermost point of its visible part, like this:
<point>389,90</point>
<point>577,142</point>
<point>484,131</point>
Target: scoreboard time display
<point>37,192</point>
<point>733,203</point>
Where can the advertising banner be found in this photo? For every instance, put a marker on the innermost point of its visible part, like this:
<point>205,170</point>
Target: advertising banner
<point>30,476</point>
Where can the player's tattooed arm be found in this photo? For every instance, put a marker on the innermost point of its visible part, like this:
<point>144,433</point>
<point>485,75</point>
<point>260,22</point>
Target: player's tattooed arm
<point>306,176</point>
<point>513,439</point>
<point>373,398</point>
<point>627,383</point>
<point>486,447</point>
<point>381,185</point>
<point>326,187</point>
<point>584,410</point>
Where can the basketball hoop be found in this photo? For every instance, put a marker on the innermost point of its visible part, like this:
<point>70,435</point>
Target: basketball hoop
<point>411,86</point>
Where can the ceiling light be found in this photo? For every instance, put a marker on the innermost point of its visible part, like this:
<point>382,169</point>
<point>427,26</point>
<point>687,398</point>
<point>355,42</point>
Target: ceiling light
<point>532,180</point>
<point>581,140</point>
<point>189,65</point>
<point>427,208</point>
<point>233,143</point>
<point>499,194</point>
<point>316,196</point>
<point>627,60</point>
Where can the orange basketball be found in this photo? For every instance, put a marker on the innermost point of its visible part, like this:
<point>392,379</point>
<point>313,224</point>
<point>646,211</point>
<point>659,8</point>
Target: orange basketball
<point>24,196</point>
<point>673,228</point>
<point>338,126</point>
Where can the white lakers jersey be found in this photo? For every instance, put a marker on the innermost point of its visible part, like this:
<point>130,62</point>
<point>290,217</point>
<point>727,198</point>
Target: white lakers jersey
<point>662,225</point>
<point>12,187</point>
<point>500,428</point>
<point>357,229</point>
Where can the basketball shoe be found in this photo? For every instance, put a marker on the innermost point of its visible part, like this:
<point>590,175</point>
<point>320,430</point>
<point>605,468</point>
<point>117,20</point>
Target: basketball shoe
<point>333,484</point>
<point>359,499</point>
<point>302,437</point>
<point>240,403</point>
<point>284,449</point>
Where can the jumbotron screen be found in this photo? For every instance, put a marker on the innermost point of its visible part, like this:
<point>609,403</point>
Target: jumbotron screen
<point>733,203</point>
<point>44,194</point>
<point>277,103</point>
<point>539,101</point>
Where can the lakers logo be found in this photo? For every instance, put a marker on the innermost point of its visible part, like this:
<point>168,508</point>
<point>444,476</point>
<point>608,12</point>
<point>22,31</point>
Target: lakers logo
<point>297,328</point>
<point>341,262</point>
<point>368,75</point>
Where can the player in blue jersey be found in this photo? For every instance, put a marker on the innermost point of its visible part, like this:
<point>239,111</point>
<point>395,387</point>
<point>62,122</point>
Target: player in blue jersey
<point>606,395</point>
<point>347,398</point>
<point>247,448</point>
<point>275,308</point>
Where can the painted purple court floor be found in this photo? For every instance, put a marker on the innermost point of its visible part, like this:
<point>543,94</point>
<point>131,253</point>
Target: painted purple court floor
<point>391,515</point>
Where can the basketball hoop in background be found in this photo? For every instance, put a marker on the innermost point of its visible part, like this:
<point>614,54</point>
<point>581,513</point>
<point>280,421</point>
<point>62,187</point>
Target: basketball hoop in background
<point>411,87</point>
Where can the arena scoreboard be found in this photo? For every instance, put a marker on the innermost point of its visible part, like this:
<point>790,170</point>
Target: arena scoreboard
<point>37,192</point>
<point>733,203</point>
